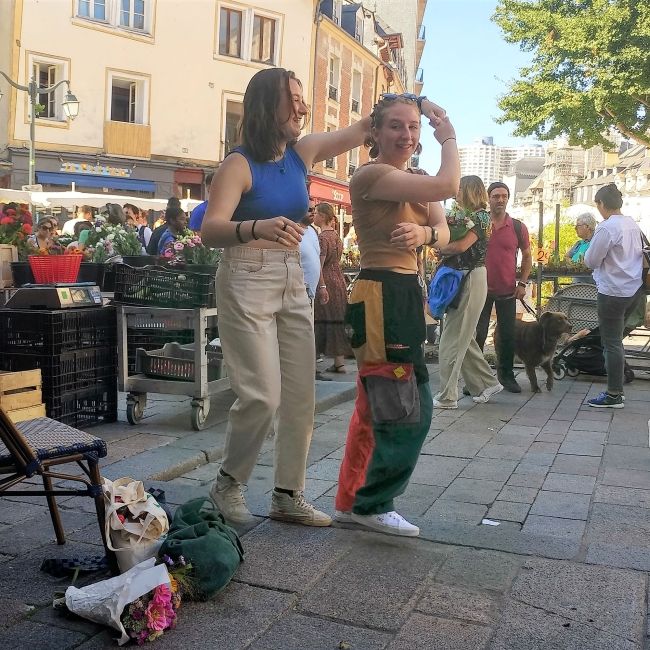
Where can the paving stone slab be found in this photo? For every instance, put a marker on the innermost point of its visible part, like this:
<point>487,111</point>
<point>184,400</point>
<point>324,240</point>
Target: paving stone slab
<point>456,444</point>
<point>233,619</point>
<point>556,438</point>
<point>13,611</point>
<point>622,496</point>
<point>526,480</point>
<point>633,478</point>
<point>35,636</point>
<point>561,504</point>
<point>591,425</point>
<point>571,529</point>
<point>450,601</point>
<point>438,470</point>
<point>570,464</point>
<point>503,452</point>
<point>556,427</point>
<point>627,457</point>
<point>13,512</point>
<point>425,632</point>
<point>540,459</point>
<point>326,469</point>
<point>297,632</point>
<point>523,626</point>
<point>310,552</point>
<point>473,490</point>
<point>610,600</point>
<point>349,591</point>
<point>581,448</point>
<point>479,569</point>
<point>458,511</point>
<point>508,511</point>
<point>417,499</point>
<point>625,526</point>
<point>491,469</point>
<point>569,483</point>
<point>518,494</point>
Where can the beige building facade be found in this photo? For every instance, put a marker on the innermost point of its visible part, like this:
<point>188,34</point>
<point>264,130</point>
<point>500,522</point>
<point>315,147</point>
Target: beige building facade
<point>160,85</point>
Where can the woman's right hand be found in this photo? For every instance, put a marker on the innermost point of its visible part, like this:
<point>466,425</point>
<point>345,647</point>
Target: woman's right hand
<point>280,230</point>
<point>443,129</point>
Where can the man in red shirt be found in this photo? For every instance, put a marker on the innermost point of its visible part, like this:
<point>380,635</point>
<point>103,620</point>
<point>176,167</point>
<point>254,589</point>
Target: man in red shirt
<point>504,290</point>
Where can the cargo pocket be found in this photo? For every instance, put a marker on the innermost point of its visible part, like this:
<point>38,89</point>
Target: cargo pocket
<point>393,401</point>
<point>355,324</point>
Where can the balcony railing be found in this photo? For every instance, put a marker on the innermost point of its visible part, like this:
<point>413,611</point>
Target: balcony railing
<point>329,163</point>
<point>351,169</point>
<point>333,93</point>
<point>127,139</point>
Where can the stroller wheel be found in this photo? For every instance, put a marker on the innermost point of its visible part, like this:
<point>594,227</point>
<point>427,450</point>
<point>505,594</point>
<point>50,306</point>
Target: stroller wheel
<point>628,375</point>
<point>572,372</point>
<point>559,372</point>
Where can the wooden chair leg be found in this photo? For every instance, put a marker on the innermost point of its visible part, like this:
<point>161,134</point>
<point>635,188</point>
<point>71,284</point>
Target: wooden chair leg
<point>54,511</point>
<point>100,507</point>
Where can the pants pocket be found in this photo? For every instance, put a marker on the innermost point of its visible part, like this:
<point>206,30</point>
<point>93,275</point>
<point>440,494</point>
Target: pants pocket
<point>393,401</point>
<point>355,324</point>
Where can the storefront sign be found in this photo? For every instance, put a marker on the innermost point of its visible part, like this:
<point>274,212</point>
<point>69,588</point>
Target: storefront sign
<point>97,170</point>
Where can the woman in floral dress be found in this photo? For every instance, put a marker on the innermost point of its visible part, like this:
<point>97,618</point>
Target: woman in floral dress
<point>331,297</point>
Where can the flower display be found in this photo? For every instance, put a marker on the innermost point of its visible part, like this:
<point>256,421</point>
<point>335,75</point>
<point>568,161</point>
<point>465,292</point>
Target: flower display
<point>106,241</point>
<point>15,227</point>
<point>189,249</point>
<point>351,259</point>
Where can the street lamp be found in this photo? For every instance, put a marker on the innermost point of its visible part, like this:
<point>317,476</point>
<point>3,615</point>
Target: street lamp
<point>70,108</point>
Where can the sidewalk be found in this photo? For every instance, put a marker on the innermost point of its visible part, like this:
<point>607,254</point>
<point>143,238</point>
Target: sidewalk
<point>565,568</point>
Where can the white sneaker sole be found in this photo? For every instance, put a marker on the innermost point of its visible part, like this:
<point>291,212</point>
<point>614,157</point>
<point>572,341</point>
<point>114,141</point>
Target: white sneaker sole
<point>441,405</point>
<point>485,396</point>
<point>343,517</point>
<point>382,528</point>
<point>297,519</point>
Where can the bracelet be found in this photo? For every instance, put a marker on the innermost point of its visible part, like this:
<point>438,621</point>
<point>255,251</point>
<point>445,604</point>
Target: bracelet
<point>253,230</point>
<point>322,286</point>
<point>238,234</point>
<point>522,284</point>
<point>445,140</point>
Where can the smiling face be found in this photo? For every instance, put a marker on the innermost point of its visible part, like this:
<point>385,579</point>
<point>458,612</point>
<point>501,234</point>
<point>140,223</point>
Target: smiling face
<point>292,110</point>
<point>398,133</point>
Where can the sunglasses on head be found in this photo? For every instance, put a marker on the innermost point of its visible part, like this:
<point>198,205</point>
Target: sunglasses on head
<point>395,96</point>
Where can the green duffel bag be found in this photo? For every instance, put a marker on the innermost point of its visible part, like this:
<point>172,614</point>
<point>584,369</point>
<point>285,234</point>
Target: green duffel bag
<point>200,534</point>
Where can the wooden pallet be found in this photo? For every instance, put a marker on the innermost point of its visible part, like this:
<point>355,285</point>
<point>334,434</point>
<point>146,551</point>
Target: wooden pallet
<point>19,390</point>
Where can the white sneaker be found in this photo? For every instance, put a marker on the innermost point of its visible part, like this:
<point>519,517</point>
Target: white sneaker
<point>227,495</point>
<point>387,522</point>
<point>444,405</point>
<point>487,393</point>
<point>343,516</point>
<point>294,508</point>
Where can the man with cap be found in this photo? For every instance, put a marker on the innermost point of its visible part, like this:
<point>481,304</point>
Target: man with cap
<point>508,236</point>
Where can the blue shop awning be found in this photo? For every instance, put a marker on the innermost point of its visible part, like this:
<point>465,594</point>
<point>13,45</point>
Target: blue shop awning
<point>91,180</point>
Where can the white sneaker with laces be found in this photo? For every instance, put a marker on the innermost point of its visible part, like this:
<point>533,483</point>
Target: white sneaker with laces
<point>294,508</point>
<point>487,393</point>
<point>437,404</point>
<point>226,493</point>
<point>387,522</point>
<point>343,516</point>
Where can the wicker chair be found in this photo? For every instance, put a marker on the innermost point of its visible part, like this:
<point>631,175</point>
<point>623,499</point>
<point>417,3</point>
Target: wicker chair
<point>35,448</point>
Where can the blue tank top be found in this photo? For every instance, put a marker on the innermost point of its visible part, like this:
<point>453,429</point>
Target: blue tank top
<point>279,188</point>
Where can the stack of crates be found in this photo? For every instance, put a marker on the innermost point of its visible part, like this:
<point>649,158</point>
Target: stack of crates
<point>77,354</point>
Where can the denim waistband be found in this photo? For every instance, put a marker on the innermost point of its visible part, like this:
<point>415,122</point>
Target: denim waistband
<point>263,255</point>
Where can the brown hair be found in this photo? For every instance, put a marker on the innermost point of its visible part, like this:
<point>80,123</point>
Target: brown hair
<point>377,120</point>
<point>471,194</point>
<point>610,196</point>
<point>260,128</point>
<point>327,211</point>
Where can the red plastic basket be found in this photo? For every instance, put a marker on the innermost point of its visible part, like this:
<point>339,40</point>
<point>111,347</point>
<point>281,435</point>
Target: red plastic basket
<point>55,268</point>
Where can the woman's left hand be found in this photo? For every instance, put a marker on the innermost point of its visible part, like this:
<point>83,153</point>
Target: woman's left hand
<point>408,236</point>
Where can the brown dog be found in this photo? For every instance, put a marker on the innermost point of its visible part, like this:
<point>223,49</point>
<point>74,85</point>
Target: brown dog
<point>535,344</point>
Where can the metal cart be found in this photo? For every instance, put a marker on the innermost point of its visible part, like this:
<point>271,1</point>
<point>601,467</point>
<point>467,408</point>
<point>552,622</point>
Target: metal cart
<point>138,385</point>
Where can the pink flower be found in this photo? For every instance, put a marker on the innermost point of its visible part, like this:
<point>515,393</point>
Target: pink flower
<point>159,614</point>
<point>191,244</point>
<point>5,221</point>
<point>168,253</point>
<point>178,246</point>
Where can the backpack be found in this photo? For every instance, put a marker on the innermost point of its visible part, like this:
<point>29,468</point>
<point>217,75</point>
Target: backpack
<point>517,225</point>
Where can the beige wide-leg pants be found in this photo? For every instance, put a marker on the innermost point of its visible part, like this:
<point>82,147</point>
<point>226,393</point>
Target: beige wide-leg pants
<point>267,336</point>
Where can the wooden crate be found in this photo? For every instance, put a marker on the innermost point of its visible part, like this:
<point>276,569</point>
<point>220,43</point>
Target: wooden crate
<point>29,413</point>
<point>8,254</point>
<point>20,390</point>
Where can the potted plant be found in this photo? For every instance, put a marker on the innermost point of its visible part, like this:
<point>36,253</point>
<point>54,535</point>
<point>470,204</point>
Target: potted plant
<point>15,228</point>
<point>188,250</point>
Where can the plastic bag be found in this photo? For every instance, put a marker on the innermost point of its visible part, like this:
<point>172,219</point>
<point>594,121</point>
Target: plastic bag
<point>138,535</point>
<point>104,602</point>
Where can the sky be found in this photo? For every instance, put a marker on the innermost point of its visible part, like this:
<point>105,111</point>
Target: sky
<point>467,65</point>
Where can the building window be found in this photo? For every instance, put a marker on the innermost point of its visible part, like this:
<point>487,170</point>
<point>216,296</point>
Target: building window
<point>356,92</point>
<point>336,11</point>
<point>330,163</point>
<point>248,34</point>
<point>234,112</point>
<point>353,161</point>
<point>334,72</point>
<point>358,27</point>
<point>93,9</point>
<point>45,76</point>
<point>263,46</point>
<point>129,98</point>
<point>47,72</point>
<point>230,22</point>
<point>132,15</point>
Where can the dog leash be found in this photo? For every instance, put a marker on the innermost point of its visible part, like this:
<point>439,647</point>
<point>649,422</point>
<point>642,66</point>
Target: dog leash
<point>529,309</point>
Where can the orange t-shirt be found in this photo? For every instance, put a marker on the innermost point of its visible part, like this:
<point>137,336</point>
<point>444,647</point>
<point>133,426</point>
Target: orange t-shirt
<point>375,220</point>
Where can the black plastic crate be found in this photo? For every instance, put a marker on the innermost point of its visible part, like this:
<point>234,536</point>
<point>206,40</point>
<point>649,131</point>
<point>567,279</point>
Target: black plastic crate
<point>84,408</point>
<point>163,287</point>
<point>41,332</point>
<point>68,371</point>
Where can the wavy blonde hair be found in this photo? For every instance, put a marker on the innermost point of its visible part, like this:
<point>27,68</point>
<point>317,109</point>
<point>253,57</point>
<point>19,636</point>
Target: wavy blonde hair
<point>472,194</point>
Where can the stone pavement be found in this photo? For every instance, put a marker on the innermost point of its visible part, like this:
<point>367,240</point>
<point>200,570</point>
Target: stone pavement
<point>566,567</point>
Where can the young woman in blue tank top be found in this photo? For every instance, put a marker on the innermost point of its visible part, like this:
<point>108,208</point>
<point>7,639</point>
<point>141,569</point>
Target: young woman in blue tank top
<point>257,198</point>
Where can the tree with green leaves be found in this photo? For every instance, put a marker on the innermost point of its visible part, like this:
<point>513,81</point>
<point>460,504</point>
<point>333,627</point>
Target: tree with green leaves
<point>590,69</point>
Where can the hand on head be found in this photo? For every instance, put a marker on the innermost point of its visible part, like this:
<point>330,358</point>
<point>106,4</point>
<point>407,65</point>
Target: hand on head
<point>443,129</point>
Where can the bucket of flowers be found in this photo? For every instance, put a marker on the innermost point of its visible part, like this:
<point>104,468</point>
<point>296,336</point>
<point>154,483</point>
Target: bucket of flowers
<point>189,251</point>
<point>108,241</point>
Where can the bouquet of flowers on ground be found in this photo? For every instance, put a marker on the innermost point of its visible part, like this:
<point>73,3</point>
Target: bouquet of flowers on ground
<point>15,228</point>
<point>189,249</point>
<point>460,222</point>
<point>107,241</point>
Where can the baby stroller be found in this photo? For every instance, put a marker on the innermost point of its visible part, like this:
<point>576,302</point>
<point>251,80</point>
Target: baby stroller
<point>583,353</point>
